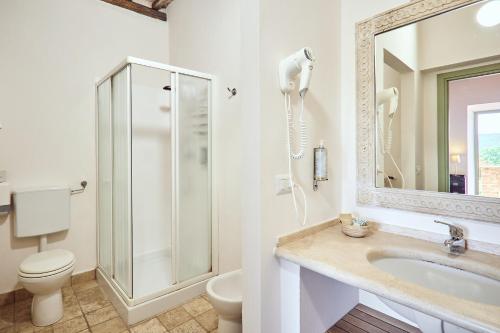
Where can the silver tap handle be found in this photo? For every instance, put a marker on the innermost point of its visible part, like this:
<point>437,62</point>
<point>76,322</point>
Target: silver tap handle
<point>456,232</point>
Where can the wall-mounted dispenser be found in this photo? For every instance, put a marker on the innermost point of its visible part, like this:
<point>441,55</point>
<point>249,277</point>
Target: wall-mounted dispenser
<point>320,165</point>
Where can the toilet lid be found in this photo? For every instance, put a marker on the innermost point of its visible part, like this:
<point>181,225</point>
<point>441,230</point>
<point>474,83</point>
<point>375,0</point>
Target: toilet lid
<point>46,261</point>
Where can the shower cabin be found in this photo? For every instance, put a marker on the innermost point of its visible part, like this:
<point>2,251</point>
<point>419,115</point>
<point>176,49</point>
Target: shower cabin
<point>157,241</point>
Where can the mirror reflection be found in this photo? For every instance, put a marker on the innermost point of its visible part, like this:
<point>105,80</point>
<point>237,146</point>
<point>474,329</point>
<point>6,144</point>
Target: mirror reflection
<point>438,103</point>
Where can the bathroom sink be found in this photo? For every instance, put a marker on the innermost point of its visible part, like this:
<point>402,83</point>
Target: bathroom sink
<point>445,279</point>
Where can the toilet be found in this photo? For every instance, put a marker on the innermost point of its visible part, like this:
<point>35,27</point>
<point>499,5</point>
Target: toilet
<point>39,212</point>
<point>225,294</point>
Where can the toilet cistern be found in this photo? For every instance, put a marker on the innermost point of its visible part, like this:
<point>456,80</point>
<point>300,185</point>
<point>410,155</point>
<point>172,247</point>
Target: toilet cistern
<point>40,212</point>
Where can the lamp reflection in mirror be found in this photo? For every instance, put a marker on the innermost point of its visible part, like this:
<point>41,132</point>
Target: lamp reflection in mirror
<point>489,14</point>
<point>456,159</point>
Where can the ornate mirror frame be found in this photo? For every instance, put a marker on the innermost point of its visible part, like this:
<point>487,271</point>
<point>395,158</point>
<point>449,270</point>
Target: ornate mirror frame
<point>439,203</point>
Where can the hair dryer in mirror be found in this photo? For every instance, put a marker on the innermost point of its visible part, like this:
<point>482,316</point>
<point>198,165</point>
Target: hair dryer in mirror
<point>391,96</point>
<point>298,63</point>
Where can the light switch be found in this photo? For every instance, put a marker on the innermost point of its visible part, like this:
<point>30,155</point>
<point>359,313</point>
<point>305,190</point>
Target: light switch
<point>282,184</point>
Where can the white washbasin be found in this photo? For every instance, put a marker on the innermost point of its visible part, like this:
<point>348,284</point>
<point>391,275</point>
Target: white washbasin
<point>445,279</point>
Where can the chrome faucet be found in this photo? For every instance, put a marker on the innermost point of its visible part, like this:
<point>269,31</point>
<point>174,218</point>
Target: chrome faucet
<point>456,244</point>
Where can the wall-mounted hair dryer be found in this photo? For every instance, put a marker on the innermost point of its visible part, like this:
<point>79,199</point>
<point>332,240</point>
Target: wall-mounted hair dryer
<point>300,62</point>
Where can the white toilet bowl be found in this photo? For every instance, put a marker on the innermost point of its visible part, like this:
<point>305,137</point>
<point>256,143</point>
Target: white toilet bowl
<point>225,294</point>
<point>43,274</point>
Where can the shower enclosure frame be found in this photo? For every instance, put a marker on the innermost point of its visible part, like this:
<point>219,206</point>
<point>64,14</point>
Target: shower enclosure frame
<point>175,72</point>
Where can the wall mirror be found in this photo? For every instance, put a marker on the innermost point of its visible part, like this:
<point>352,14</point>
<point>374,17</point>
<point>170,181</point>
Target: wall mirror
<point>429,108</point>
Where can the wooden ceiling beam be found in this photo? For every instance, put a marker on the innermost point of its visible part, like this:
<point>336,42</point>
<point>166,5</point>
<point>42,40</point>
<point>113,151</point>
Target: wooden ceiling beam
<point>160,4</point>
<point>138,8</point>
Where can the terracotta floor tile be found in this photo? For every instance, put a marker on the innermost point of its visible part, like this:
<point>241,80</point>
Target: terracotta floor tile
<point>174,318</point>
<point>115,325</point>
<point>70,300</point>
<point>7,298</point>
<point>83,277</point>
<point>74,325</point>
<point>70,312</point>
<point>67,292</point>
<point>92,299</point>
<point>6,316</point>
<point>84,286</point>
<point>84,293</point>
<point>189,327</point>
<point>21,295</point>
<point>86,304</point>
<point>47,329</point>
<point>22,309</point>
<point>150,326</point>
<point>208,320</point>
<point>101,315</point>
<point>197,306</point>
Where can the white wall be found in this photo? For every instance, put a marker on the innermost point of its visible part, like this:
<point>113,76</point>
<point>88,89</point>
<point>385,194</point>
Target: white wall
<point>205,36</point>
<point>456,38</point>
<point>275,29</point>
<point>52,53</point>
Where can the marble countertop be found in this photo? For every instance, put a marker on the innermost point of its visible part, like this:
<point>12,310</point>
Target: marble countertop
<point>327,251</point>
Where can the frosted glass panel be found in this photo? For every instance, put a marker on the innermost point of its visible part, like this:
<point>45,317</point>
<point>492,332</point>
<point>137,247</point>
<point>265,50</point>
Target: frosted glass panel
<point>151,180</point>
<point>154,184</point>
<point>105,170</point>
<point>122,227</point>
<point>193,166</point>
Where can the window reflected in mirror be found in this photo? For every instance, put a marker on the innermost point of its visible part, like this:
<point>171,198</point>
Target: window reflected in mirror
<point>437,109</point>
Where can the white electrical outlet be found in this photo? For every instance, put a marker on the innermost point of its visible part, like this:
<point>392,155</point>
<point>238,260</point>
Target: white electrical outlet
<point>282,184</point>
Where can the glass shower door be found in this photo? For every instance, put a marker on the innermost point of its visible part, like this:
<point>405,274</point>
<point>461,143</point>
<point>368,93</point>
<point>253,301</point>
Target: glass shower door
<point>122,223</point>
<point>193,169</point>
<point>105,171</point>
<point>151,180</point>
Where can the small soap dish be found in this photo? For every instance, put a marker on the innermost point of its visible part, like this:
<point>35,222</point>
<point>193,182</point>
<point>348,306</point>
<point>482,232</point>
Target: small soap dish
<point>354,227</point>
<point>355,230</point>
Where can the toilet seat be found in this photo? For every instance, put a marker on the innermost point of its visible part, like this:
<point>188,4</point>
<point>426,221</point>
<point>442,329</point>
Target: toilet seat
<point>46,263</point>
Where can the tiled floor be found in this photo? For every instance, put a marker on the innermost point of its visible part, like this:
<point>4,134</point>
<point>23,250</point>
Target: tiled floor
<point>87,309</point>
<point>363,319</point>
